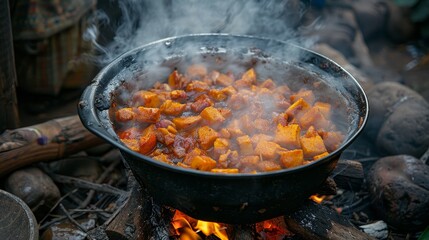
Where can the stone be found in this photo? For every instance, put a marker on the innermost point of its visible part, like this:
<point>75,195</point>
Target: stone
<point>406,131</point>
<point>35,188</point>
<point>399,190</point>
<point>398,119</point>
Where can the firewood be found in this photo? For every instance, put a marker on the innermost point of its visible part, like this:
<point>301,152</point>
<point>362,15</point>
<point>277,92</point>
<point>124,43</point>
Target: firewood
<point>318,222</point>
<point>47,141</point>
<point>348,174</point>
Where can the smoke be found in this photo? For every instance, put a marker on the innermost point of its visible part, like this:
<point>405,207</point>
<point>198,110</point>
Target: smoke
<point>132,23</point>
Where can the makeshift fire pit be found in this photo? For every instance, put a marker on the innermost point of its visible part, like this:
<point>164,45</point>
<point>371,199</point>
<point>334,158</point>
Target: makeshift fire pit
<point>230,198</point>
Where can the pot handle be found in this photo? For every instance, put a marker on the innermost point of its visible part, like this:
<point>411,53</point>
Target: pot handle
<point>89,118</point>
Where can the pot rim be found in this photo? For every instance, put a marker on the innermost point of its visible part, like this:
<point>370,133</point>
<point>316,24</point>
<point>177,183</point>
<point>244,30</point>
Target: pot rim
<point>89,117</point>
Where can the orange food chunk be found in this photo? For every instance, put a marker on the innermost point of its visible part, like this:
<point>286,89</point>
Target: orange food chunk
<point>260,137</point>
<point>332,140</point>
<point>288,136</point>
<point>234,128</point>
<point>230,90</point>
<point>165,136</point>
<point>132,144</point>
<point>170,107</point>
<point>178,94</point>
<point>206,137</point>
<point>203,163</point>
<point>267,166</point>
<point>146,99</point>
<point>212,115</point>
<point>314,117</point>
<point>245,144</point>
<point>224,80</point>
<point>266,149</point>
<point>220,146</point>
<point>147,143</point>
<point>297,108</point>
<point>195,152</point>
<point>197,86</point>
<point>125,114</point>
<point>324,108</point>
<point>322,155</point>
<point>217,95</point>
<point>147,115</point>
<point>249,160</point>
<point>307,95</point>
<point>174,79</point>
<point>186,123</point>
<point>312,146</point>
<point>292,158</point>
<point>163,158</point>
<point>225,170</point>
<point>268,83</point>
<point>249,77</point>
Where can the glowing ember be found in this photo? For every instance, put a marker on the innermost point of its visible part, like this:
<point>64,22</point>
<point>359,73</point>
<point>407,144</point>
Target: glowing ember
<point>273,229</point>
<point>317,198</point>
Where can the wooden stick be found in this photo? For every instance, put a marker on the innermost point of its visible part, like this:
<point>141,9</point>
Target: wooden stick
<point>318,222</point>
<point>47,141</point>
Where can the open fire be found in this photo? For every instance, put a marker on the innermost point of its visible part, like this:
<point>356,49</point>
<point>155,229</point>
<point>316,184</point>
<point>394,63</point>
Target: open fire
<point>185,227</point>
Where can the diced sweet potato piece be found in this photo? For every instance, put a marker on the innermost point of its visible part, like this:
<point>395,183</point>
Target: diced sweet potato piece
<point>170,107</point>
<point>186,123</point>
<point>281,119</point>
<point>163,158</point>
<point>228,158</point>
<point>268,166</point>
<point>246,147</point>
<point>125,114</point>
<point>268,83</point>
<point>311,132</point>
<point>297,108</point>
<point>260,137</point>
<point>174,79</point>
<point>332,140</point>
<point>314,117</point>
<point>212,115</point>
<point>197,86</point>
<point>307,95</point>
<point>266,149</point>
<point>291,158</point>
<point>203,163</point>
<point>224,133</point>
<point>220,146</point>
<point>312,146</point>
<point>249,77</point>
<point>132,144</point>
<point>230,90</point>
<point>165,136</point>
<point>195,152</point>
<point>146,99</point>
<point>324,108</point>
<point>225,170</point>
<point>234,128</point>
<point>196,70</point>
<point>206,137</point>
<point>288,136</point>
<point>178,95</point>
<point>249,160</point>
<point>217,95</point>
<point>322,155</point>
<point>147,143</point>
<point>147,115</point>
<point>224,80</point>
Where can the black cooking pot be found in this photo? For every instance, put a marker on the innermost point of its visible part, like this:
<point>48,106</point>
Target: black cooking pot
<point>228,198</point>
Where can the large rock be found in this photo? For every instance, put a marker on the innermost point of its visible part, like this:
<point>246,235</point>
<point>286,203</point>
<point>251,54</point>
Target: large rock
<point>399,188</point>
<point>35,188</point>
<point>398,119</point>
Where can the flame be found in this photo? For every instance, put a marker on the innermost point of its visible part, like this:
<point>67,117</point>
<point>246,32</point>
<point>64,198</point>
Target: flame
<point>187,228</point>
<point>317,198</point>
<point>209,228</point>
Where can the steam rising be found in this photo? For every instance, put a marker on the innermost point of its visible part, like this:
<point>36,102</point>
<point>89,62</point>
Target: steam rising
<point>141,22</point>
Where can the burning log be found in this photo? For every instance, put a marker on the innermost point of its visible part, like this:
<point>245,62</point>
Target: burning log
<point>315,221</point>
<point>47,141</point>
